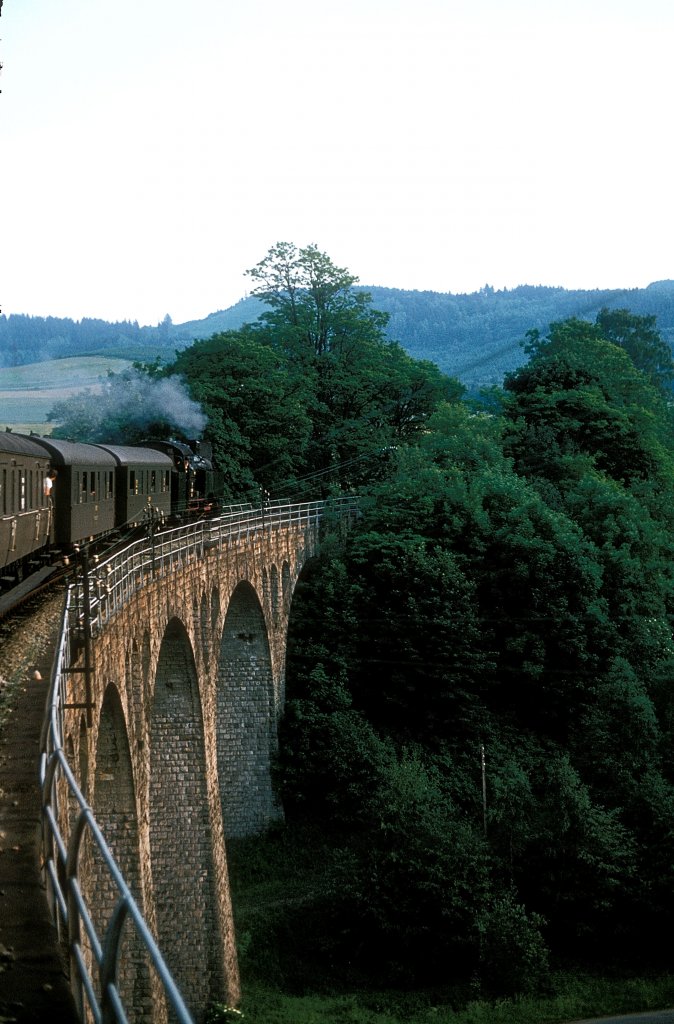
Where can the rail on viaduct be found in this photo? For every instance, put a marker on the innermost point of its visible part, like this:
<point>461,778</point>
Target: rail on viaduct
<point>166,701</point>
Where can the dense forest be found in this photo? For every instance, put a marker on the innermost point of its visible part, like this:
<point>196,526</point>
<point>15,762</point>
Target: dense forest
<point>476,757</point>
<point>474,337</point>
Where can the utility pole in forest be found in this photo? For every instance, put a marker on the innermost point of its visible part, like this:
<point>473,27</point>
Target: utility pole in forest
<point>484,789</point>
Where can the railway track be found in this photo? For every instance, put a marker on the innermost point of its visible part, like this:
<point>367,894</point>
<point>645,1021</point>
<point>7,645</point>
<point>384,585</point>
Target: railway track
<point>59,571</point>
<point>33,586</point>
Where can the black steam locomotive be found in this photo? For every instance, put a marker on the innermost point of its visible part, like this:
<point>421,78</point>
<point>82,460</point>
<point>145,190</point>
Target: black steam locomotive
<point>97,490</point>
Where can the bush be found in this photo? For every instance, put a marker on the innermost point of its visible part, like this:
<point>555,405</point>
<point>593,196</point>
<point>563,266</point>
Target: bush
<point>514,956</point>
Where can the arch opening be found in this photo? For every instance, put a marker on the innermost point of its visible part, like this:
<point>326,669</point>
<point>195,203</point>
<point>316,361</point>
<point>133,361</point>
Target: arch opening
<point>114,801</point>
<point>182,862</point>
<point>246,718</point>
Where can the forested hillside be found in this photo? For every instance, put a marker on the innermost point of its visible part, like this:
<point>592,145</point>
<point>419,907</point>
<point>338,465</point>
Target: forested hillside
<point>477,337</point>
<point>479,716</point>
<point>474,337</point>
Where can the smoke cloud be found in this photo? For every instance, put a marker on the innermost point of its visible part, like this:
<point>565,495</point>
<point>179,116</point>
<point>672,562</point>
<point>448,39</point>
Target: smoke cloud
<point>126,408</point>
<point>168,399</point>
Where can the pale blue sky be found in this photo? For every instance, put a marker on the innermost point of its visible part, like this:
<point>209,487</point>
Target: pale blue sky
<point>152,150</point>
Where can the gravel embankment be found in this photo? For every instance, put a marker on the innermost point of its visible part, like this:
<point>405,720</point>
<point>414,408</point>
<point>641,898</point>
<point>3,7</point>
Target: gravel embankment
<point>33,981</point>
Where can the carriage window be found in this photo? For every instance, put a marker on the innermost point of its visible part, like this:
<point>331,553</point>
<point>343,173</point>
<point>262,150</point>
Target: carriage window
<point>108,485</point>
<point>95,484</point>
<point>85,486</point>
<point>3,491</point>
<point>165,481</point>
<point>133,485</point>
<point>22,490</point>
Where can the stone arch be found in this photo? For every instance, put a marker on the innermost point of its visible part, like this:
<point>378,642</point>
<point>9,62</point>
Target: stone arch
<point>114,801</point>
<point>285,584</point>
<point>215,607</point>
<point>265,588</point>
<point>135,662</point>
<point>205,632</point>
<point>246,722</point>
<point>181,854</point>
<point>274,593</point>
<point>146,668</point>
<point>134,683</point>
<point>146,658</point>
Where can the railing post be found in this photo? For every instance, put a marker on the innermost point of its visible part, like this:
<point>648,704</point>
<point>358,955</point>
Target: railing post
<point>86,610</point>
<point>110,962</point>
<point>74,929</point>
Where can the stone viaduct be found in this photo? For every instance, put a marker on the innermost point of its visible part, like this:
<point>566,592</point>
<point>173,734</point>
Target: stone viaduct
<point>170,733</point>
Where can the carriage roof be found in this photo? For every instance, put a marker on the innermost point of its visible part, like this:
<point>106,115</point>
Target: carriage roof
<point>19,444</point>
<point>72,453</point>
<point>126,455</point>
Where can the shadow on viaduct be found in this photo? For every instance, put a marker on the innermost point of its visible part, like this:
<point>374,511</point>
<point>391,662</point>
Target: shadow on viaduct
<point>173,753</point>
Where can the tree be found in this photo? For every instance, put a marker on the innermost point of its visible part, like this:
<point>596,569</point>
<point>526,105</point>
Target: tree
<point>581,404</point>
<point>638,336</point>
<point>257,408</point>
<point>364,394</point>
<point>313,307</point>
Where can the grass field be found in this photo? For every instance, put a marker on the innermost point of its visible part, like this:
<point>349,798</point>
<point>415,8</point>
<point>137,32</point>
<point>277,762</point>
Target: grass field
<point>27,393</point>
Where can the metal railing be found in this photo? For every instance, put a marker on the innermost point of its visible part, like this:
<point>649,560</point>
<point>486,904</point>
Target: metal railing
<point>113,581</point>
<point>97,594</point>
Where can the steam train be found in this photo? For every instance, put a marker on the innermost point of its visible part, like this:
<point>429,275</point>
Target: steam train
<point>98,489</point>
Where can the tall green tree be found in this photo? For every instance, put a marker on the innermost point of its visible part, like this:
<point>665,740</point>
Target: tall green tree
<point>313,308</point>
<point>580,404</point>
<point>365,394</point>
<point>639,337</point>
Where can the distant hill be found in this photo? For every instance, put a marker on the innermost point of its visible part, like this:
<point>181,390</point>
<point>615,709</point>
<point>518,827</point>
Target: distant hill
<point>28,392</point>
<point>475,337</point>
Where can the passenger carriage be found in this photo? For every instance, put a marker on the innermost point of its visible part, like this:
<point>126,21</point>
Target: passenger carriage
<point>84,490</point>
<point>142,481</point>
<point>26,516</point>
